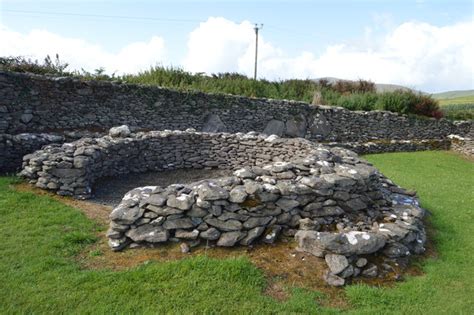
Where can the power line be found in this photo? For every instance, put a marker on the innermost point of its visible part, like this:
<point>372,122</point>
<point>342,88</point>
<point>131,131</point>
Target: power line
<point>107,16</point>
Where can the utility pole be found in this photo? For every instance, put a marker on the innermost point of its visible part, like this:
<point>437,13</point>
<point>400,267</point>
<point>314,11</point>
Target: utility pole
<point>256,28</point>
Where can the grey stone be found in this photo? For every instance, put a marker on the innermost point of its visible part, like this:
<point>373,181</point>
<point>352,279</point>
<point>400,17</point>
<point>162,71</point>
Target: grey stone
<point>355,204</point>
<point>180,223</point>
<point>229,239</point>
<point>361,262</point>
<point>26,118</point>
<point>245,173</point>
<point>350,243</point>
<point>148,233</point>
<point>182,202</point>
<point>156,200</point>
<point>211,234</point>
<point>252,235</point>
<point>211,191</point>
<point>320,126</point>
<point>256,221</point>
<point>238,194</point>
<point>197,212</point>
<point>252,187</point>
<point>272,234</point>
<point>120,131</point>
<point>125,215</point>
<point>371,271</point>
<point>336,263</point>
<point>296,127</point>
<point>327,211</point>
<point>213,123</point>
<point>333,280</point>
<point>307,224</point>
<point>287,204</point>
<point>189,235</point>
<point>164,210</point>
<point>185,248</point>
<point>396,250</point>
<point>346,273</point>
<point>229,225</point>
<point>274,127</point>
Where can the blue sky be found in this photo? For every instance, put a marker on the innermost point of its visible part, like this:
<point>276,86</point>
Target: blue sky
<point>423,44</point>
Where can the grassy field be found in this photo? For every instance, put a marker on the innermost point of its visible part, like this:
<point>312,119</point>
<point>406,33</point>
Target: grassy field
<point>41,238</point>
<point>462,100</point>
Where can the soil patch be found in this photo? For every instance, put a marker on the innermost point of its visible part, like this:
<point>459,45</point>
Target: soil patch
<point>110,190</point>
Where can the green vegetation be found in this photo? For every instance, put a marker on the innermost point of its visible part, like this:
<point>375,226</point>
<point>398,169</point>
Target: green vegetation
<point>41,238</point>
<point>458,111</point>
<point>457,105</point>
<point>353,95</point>
<point>453,94</point>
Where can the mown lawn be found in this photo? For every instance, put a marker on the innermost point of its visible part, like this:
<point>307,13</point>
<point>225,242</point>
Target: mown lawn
<point>40,238</point>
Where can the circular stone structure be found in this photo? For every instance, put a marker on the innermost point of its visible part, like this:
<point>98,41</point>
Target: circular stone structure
<point>337,205</point>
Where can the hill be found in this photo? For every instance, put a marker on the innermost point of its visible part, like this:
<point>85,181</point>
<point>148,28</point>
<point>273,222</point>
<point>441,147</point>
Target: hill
<point>454,94</point>
<point>380,87</point>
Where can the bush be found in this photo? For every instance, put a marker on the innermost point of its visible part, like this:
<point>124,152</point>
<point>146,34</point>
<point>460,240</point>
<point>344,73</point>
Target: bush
<point>22,64</point>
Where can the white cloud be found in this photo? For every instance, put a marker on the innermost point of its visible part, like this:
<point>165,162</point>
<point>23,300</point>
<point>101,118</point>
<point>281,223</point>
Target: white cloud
<point>415,54</point>
<point>82,54</point>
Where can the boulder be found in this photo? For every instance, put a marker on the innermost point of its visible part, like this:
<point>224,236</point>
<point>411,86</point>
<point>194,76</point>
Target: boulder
<point>296,127</point>
<point>274,127</point>
<point>320,127</point>
<point>213,123</point>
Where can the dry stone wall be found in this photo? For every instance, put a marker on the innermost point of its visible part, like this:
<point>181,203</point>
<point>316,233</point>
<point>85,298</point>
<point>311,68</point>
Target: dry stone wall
<point>336,205</point>
<point>31,103</point>
<point>72,168</point>
<point>14,147</point>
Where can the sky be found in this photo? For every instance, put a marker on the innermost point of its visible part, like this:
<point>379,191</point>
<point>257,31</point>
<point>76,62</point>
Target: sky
<point>426,45</point>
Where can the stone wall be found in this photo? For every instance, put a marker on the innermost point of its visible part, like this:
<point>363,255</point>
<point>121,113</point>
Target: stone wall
<point>14,147</point>
<point>31,103</point>
<point>463,145</point>
<point>72,168</point>
<point>343,208</point>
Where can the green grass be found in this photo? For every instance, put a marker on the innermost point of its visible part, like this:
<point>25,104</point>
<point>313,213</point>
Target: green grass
<point>457,107</point>
<point>453,94</point>
<point>457,100</point>
<point>40,238</point>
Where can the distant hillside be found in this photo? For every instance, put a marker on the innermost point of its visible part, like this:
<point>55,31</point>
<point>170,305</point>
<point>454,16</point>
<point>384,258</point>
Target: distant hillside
<point>381,87</point>
<point>454,94</point>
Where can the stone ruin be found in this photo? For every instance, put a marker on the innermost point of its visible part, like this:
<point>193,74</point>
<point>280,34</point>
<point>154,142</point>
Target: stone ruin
<point>336,205</point>
<point>310,184</point>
